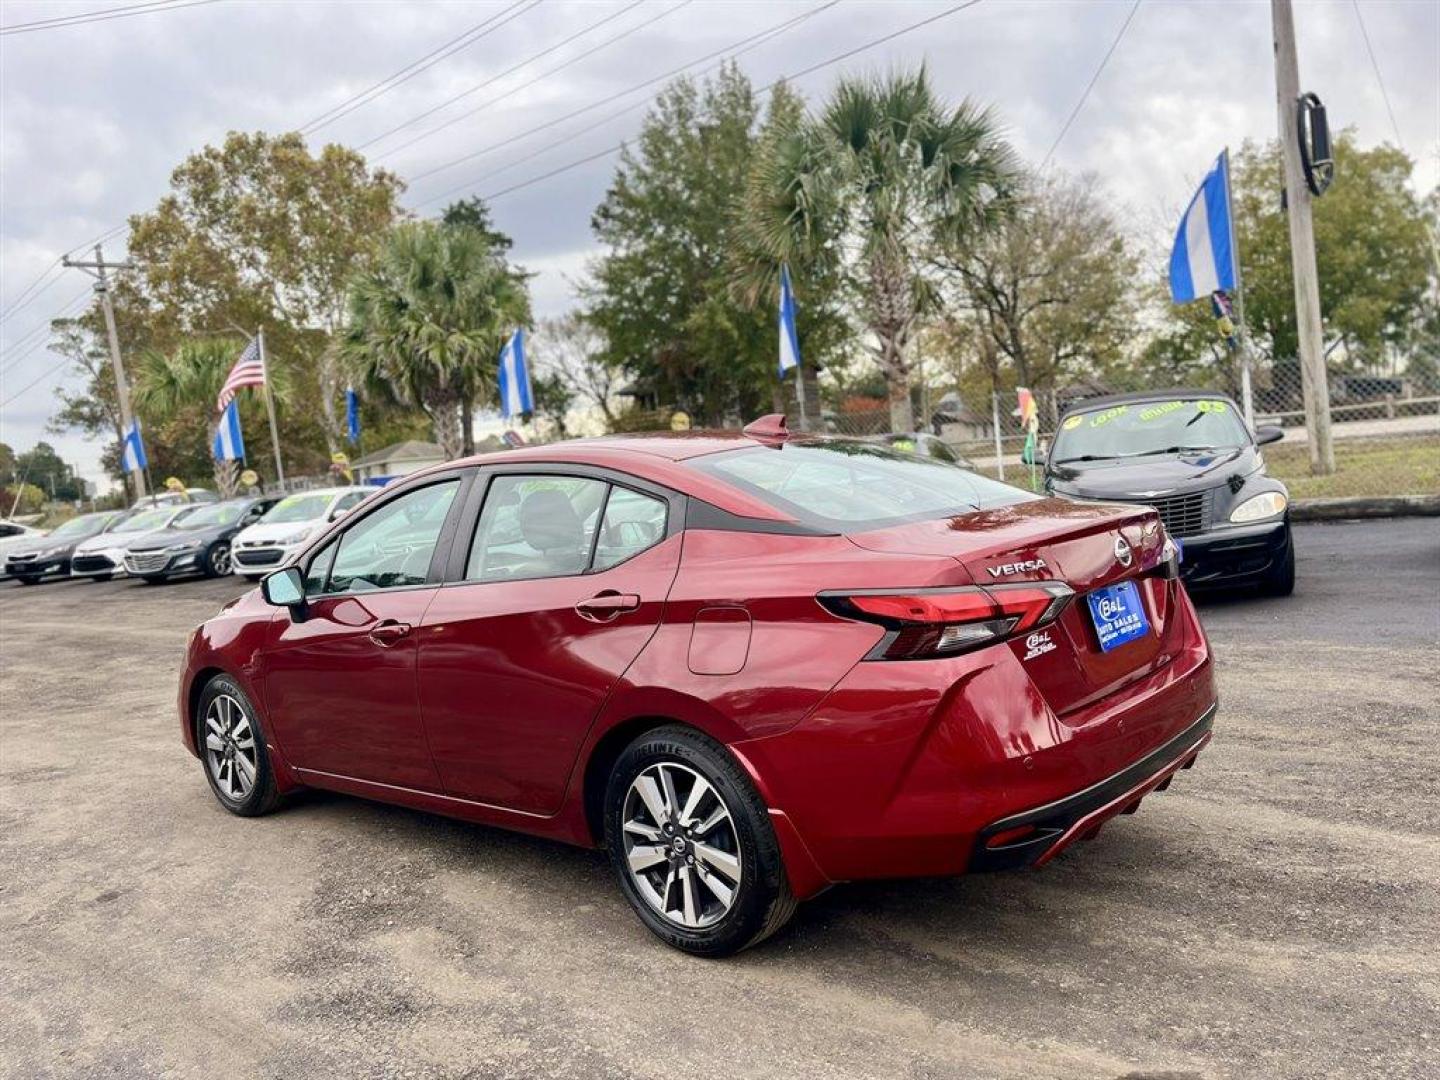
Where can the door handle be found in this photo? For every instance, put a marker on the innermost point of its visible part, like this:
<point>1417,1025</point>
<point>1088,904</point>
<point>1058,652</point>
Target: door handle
<point>607,606</point>
<point>388,632</point>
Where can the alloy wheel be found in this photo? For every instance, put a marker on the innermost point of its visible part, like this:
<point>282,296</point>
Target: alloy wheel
<point>230,749</point>
<point>681,846</point>
<point>220,561</point>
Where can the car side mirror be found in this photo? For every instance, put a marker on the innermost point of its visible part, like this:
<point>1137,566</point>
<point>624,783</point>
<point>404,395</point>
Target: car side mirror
<point>336,515</point>
<point>284,588</point>
<point>1268,434</point>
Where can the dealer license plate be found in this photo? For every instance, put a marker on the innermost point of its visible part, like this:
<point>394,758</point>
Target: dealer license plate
<point>1118,614</point>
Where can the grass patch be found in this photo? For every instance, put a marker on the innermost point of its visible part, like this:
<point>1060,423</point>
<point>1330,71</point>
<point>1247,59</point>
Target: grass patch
<point>1395,466</point>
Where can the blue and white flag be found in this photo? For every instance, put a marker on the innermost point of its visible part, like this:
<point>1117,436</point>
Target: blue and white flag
<point>789,342</point>
<point>228,445</point>
<point>132,453</point>
<point>1203,258</point>
<point>515,397</point>
<point>352,415</point>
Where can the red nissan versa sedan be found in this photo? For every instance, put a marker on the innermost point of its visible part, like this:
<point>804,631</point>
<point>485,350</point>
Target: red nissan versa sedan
<point>750,665</point>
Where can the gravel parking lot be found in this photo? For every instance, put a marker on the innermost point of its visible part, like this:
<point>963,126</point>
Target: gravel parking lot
<point>1273,915</point>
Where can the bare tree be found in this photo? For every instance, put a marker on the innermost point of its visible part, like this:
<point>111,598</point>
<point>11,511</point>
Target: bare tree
<point>574,350</point>
<point>1053,289</point>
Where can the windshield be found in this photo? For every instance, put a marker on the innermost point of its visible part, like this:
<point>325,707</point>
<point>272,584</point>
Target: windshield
<point>1149,427</point>
<point>847,486</point>
<point>145,521</point>
<point>298,508</point>
<point>85,525</point>
<point>225,513</point>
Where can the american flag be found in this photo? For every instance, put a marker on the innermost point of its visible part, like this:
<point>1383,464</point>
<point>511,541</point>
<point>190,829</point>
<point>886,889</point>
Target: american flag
<point>249,370</point>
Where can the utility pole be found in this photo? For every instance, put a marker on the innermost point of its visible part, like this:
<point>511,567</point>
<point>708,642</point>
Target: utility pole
<point>1313,379</point>
<point>97,270</point>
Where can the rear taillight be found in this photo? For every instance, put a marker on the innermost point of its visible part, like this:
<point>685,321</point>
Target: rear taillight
<point>925,623</point>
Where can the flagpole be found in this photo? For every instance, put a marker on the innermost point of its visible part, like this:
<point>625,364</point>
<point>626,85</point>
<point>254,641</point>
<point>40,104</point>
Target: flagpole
<point>1247,403</point>
<point>270,408</point>
<point>800,395</point>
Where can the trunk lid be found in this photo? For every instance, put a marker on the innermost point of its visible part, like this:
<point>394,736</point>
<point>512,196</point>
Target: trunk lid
<point>1056,540</point>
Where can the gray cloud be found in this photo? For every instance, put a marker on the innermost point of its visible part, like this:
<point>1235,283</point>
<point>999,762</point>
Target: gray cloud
<point>93,118</point>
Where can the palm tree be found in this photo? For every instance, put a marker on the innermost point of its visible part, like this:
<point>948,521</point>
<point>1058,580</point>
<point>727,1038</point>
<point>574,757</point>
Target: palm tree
<point>180,388</point>
<point>428,319</point>
<point>883,177</point>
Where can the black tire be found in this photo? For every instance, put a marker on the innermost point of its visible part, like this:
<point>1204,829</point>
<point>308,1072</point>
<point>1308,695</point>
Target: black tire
<point>101,577</point>
<point>1280,581</point>
<point>263,796</point>
<point>217,560</point>
<point>762,902</point>
<point>154,579</point>
<point>27,579</point>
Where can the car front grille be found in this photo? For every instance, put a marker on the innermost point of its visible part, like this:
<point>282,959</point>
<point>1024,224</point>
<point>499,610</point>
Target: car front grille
<point>92,564</point>
<point>146,562</point>
<point>1183,515</point>
<point>257,556</point>
<point>20,559</point>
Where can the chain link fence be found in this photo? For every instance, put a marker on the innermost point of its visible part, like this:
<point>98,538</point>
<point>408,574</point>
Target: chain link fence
<point>1385,429</point>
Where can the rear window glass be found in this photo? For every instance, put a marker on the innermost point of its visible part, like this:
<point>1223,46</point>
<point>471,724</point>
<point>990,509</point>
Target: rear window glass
<point>845,486</point>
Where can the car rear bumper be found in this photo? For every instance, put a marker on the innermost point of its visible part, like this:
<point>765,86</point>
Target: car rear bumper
<point>1235,554</point>
<point>1034,837</point>
<point>905,766</point>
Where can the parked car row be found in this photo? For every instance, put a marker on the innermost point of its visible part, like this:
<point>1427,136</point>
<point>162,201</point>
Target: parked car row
<point>249,536</point>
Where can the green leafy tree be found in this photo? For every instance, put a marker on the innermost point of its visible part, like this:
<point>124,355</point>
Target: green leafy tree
<point>427,321</point>
<point>886,174</point>
<point>43,468</point>
<point>473,214</point>
<point>1373,255</point>
<point>261,232</point>
<point>662,298</point>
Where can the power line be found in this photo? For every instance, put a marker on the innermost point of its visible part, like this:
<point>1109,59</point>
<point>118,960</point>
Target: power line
<point>48,371</point>
<point>1085,96</point>
<point>104,15</point>
<point>415,67</point>
<point>23,299</point>
<point>538,78</point>
<point>1375,66</point>
<point>737,48</point>
<point>785,78</point>
<point>496,78</point>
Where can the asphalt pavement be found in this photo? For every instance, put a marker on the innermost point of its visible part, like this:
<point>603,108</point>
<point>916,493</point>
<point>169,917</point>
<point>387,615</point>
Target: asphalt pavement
<point>1273,915</point>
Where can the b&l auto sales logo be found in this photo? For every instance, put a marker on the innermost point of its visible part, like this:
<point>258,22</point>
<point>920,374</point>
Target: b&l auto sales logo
<point>1038,644</point>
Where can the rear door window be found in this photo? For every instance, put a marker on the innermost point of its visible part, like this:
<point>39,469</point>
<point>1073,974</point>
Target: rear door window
<point>535,527</point>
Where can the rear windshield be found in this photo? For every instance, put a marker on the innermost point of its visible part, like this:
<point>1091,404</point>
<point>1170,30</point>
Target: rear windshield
<point>844,486</point>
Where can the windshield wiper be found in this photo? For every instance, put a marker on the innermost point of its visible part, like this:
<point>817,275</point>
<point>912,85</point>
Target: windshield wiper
<point>1088,457</point>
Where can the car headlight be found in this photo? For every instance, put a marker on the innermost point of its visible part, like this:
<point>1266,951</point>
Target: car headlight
<point>177,549</point>
<point>51,552</point>
<point>1265,505</point>
<point>295,537</point>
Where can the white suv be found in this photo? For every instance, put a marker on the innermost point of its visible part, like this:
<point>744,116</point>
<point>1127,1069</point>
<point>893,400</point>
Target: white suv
<point>273,540</point>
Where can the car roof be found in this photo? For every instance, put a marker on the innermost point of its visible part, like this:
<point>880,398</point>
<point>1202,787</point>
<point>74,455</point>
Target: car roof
<point>1108,400</point>
<point>655,456</point>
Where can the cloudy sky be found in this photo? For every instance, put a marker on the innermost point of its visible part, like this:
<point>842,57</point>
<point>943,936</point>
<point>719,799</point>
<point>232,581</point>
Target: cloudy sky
<point>94,116</point>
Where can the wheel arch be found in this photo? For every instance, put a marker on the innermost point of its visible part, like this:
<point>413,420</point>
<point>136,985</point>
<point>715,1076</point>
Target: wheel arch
<point>628,716</point>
